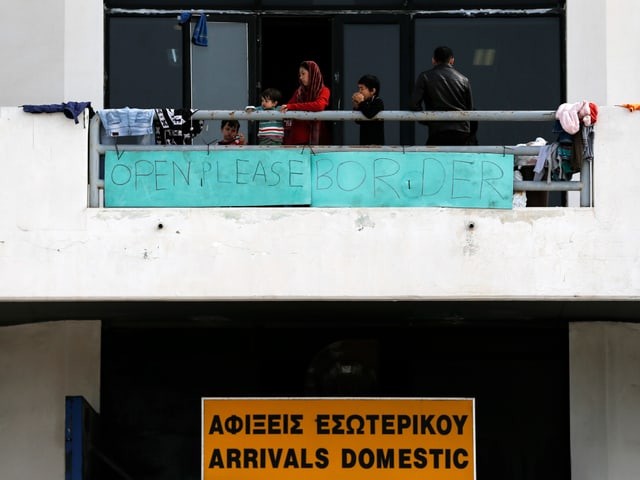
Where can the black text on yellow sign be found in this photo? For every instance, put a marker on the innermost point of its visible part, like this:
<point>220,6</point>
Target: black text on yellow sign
<point>334,439</point>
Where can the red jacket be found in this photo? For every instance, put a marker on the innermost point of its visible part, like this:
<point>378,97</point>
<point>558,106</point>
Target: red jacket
<point>299,133</point>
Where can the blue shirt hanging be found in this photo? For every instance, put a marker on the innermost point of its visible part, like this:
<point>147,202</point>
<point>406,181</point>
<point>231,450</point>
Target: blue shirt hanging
<point>200,34</point>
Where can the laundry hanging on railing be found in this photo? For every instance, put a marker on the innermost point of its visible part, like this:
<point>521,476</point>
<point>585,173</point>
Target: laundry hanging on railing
<point>574,143</point>
<point>173,126</point>
<point>123,122</point>
<point>71,110</point>
<point>200,34</point>
<point>572,115</point>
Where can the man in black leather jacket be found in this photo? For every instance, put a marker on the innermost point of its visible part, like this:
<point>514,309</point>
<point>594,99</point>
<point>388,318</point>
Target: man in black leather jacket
<point>443,88</point>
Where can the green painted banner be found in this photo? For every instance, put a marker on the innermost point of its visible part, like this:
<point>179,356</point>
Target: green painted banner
<point>207,179</point>
<point>270,177</point>
<point>412,179</point>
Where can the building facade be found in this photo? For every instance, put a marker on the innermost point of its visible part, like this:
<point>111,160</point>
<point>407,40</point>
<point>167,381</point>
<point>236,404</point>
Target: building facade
<point>142,311</point>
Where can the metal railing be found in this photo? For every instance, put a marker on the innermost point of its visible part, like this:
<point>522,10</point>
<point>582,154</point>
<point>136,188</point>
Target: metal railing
<point>96,148</point>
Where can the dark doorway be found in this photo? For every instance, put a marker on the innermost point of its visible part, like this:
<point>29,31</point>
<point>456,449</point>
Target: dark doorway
<point>285,43</point>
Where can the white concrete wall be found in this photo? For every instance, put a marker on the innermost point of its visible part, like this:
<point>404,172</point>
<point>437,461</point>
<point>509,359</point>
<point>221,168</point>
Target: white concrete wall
<point>601,57</point>
<point>605,400</point>
<point>84,52</point>
<point>622,64</point>
<point>44,179</point>
<point>586,51</point>
<point>52,52</point>
<point>41,364</point>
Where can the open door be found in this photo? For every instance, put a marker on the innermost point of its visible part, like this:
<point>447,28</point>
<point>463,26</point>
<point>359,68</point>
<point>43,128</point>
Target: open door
<point>287,42</point>
<point>284,43</point>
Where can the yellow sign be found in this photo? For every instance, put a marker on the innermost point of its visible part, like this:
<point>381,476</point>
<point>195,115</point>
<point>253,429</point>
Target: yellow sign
<point>338,439</point>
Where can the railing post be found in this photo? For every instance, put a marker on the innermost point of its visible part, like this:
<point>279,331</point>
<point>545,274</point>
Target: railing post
<point>94,162</point>
<point>585,179</point>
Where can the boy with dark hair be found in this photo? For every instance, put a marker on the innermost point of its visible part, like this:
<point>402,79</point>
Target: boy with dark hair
<point>270,132</point>
<point>230,133</point>
<point>367,101</point>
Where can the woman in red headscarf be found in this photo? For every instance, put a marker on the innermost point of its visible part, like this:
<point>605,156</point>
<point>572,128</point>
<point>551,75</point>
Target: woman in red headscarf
<point>311,96</point>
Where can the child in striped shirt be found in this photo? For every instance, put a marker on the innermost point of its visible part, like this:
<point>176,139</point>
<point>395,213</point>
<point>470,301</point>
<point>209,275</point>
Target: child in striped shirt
<point>270,132</point>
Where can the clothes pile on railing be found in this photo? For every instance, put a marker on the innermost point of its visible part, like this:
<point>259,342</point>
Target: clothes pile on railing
<point>559,160</point>
<point>159,126</point>
<point>520,161</point>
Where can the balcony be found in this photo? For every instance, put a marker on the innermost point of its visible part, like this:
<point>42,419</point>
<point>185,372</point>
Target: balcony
<point>56,246</point>
<point>390,185</point>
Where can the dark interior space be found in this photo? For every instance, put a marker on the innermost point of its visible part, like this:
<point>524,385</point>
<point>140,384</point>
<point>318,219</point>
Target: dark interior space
<point>288,41</point>
<point>154,376</point>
